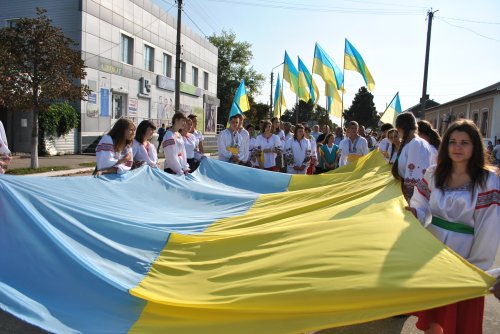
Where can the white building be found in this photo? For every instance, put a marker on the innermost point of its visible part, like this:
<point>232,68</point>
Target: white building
<point>129,50</point>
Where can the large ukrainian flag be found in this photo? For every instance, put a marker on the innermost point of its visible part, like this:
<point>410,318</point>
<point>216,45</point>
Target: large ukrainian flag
<point>353,61</point>
<point>227,249</point>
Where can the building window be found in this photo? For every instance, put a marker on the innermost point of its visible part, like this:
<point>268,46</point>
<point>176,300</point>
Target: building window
<point>205,80</point>
<point>194,75</point>
<point>484,123</point>
<point>149,58</point>
<point>127,49</point>
<point>183,71</point>
<point>12,23</point>
<point>167,65</point>
<point>475,118</point>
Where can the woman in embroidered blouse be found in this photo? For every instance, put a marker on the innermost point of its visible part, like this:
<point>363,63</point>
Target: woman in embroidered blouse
<point>173,147</point>
<point>269,144</point>
<point>190,143</point>
<point>329,154</point>
<point>298,152</point>
<point>458,201</point>
<point>414,154</point>
<point>143,150</point>
<point>425,131</point>
<point>394,145</point>
<point>114,151</point>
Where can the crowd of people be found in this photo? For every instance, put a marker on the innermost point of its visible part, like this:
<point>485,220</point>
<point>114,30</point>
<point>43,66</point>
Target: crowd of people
<point>124,147</point>
<point>448,183</point>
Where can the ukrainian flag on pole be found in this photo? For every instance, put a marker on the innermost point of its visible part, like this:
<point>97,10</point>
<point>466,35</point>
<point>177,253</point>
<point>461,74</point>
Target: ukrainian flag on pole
<point>334,101</point>
<point>307,87</point>
<point>353,61</point>
<point>392,111</point>
<point>279,99</point>
<point>240,101</point>
<point>290,74</point>
<point>325,67</point>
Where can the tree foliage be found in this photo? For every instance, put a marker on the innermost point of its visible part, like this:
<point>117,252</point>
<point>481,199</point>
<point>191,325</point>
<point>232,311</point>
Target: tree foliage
<point>307,113</point>
<point>233,66</point>
<point>362,109</point>
<point>257,112</point>
<point>38,65</point>
<point>59,119</point>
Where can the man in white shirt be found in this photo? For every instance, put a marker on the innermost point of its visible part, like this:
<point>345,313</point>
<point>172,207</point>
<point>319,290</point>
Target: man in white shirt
<point>197,134</point>
<point>353,147</point>
<point>315,132</point>
<point>496,153</point>
<point>245,141</point>
<point>229,142</point>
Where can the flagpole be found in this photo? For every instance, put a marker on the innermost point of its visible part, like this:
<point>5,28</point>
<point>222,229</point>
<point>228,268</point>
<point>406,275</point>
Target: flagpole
<point>281,93</point>
<point>343,88</point>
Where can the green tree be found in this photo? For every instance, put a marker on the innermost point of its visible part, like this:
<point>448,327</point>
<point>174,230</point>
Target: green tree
<point>307,113</point>
<point>257,112</point>
<point>38,65</point>
<point>233,66</point>
<point>362,109</point>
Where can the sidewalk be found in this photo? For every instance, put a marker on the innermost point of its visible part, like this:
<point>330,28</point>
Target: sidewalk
<point>71,161</point>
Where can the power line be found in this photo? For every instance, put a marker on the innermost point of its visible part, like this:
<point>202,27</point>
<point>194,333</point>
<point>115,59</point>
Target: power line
<point>466,20</point>
<point>190,19</point>
<point>468,29</point>
<point>315,8</point>
<point>204,16</point>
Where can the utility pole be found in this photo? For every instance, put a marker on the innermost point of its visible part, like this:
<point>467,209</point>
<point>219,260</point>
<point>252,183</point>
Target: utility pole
<point>178,59</point>
<point>271,97</point>
<point>425,97</point>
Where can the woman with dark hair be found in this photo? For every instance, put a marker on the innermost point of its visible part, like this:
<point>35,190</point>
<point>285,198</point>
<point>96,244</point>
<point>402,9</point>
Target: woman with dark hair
<point>394,144</point>
<point>142,149</point>
<point>330,158</point>
<point>458,201</point>
<point>385,144</point>
<point>193,156</point>
<point>414,154</point>
<point>270,145</point>
<point>114,151</point>
<point>298,152</point>
<point>425,131</point>
<point>173,147</point>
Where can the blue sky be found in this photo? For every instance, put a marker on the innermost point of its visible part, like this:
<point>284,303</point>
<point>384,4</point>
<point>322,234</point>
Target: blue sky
<point>390,35</point>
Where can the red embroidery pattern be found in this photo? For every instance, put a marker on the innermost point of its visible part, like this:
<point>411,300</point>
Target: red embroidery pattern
<point>423,188</point>
<point>168,142</point>
<point>488,199</point>
<point>105,147</point>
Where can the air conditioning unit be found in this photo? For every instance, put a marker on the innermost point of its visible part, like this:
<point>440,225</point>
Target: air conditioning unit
<point>145,86</point>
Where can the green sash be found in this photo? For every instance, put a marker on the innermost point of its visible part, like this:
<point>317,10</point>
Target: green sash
<point>455,227</point>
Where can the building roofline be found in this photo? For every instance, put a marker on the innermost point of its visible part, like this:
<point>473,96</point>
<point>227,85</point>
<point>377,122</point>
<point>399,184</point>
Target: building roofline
<point>484,91</point>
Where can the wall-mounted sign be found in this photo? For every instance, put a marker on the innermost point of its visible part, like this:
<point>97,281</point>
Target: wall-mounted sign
<point>92,109</point>
<point>110,69</point>
<point>133,106</point>
<point>104,102</point>
<point>166,83</point>
<point>190,89</point>
<point>209,99</point>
